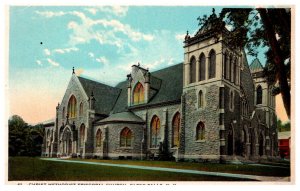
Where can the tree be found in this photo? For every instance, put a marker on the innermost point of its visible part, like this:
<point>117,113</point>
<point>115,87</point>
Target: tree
<point>264,27</point>
<point>283,126</point>
<point>24,140</point>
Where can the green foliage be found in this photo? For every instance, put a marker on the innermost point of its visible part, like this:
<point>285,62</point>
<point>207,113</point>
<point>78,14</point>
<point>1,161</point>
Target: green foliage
<point>269,28</point>
<point>283,127</point>
<point>24,140</point>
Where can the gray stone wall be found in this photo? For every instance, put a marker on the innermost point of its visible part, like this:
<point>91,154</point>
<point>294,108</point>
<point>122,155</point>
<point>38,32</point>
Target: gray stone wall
<point>232,118</point>
<point>209,115</point>
<point>75,89</point>
<point>113,141</point>
<point>166,115</point>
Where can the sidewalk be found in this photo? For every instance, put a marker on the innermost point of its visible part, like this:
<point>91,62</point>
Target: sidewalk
<point>222,174</point>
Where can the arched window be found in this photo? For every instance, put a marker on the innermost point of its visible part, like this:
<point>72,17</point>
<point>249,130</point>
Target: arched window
<point>231,100</point>
<point>72,107</point>
<point>176,130</point>
<point>226,67</point>
<point>82,134</point>
<point>212,64</point>
<point>200,131</point>
<point>259,95</point>
<point>138,94</point>
<point>155,132</point>
<point>230,68</point>
<point>81,109</point>
<point>98,138</point>
<point>193,70</point>
<point>48,134</point>
<point>125,137</point>
<point>202,67</point>
<point>200,99</point>
<point>236,71</point>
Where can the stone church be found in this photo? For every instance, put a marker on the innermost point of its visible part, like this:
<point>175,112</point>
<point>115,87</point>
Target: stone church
<point>211,107</point>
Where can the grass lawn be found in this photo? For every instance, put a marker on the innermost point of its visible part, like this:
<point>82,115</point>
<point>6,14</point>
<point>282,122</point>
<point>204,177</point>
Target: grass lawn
<point>229,168</point>
<point>29,169</point>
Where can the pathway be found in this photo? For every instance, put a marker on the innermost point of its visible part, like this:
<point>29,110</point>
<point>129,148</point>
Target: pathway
<point>222,174</point>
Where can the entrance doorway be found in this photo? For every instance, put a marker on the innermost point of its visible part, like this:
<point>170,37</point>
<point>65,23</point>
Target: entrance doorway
<point>230,142</point>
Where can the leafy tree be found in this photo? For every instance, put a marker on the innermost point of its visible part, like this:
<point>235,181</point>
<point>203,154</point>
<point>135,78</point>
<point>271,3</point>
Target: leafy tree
<point>24,140</point>
<point>283,127</point>
<point>264,27</point>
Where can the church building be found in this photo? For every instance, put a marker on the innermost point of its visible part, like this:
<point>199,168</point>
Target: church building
<point>211,107</point>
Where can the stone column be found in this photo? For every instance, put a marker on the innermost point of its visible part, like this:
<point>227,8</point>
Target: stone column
<point>147,87</point>
<point>207,67</point>
<point>197,70</point>
<point>248,151</point>
<point>181,148</point>
<point>165,129</point>
<point>187,73</point>
<point>105,144</point>
<point>129,89</point>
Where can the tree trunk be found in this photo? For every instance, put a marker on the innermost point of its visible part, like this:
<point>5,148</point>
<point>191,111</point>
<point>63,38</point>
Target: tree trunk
<point>278,60</point>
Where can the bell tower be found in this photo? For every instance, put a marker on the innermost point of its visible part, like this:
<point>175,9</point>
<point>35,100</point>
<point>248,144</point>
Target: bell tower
<point>211,88</point>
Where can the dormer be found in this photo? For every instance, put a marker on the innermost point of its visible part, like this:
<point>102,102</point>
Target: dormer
<point>138,84</point>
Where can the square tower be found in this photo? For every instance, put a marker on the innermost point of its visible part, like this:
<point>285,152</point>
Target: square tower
<point>211,92</point>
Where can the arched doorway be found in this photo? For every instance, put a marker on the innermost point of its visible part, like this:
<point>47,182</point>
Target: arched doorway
<point>252,142</point>
<point>261,144</point>
<point>67,142</point>
<point>244,143</point>
<point>230,141</point>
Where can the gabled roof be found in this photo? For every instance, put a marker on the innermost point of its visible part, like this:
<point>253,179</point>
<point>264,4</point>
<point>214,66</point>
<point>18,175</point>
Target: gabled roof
<point>169,82</point>
<point>126,116</point>
<point>105,95</point>
<point>256,66</point>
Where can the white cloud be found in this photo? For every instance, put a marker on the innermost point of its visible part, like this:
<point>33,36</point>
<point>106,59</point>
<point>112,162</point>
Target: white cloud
<point>119,11</point>
<point>151,55</point>
<point>102,60</point>
<point>39,62</point>
<point>154,64</point>
<point>107,32</point>
<point>170,62</point>
<point>65,50</point>
<point>180,37</point>
<point>92,55</point>
<point>49,14</point>
<point>47,52</point>
<point>92,10</point>
<point>53,63</point>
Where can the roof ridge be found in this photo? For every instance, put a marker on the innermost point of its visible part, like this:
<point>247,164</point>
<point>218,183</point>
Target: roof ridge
<point>100,83</point>
<point>256,64</point>
<point>166,68</point>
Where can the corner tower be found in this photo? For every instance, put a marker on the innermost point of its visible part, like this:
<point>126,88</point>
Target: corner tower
<point>264,111</point>
<point>211,91</point>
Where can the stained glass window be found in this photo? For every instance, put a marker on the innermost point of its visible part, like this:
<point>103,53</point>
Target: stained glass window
<point>138,94</point>
<point>72,107</point>
<point>126,137</point>
<point>155,132</point>
<point>176,130</point>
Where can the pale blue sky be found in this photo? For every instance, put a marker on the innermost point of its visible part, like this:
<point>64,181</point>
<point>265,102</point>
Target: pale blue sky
<point>100,42</point>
